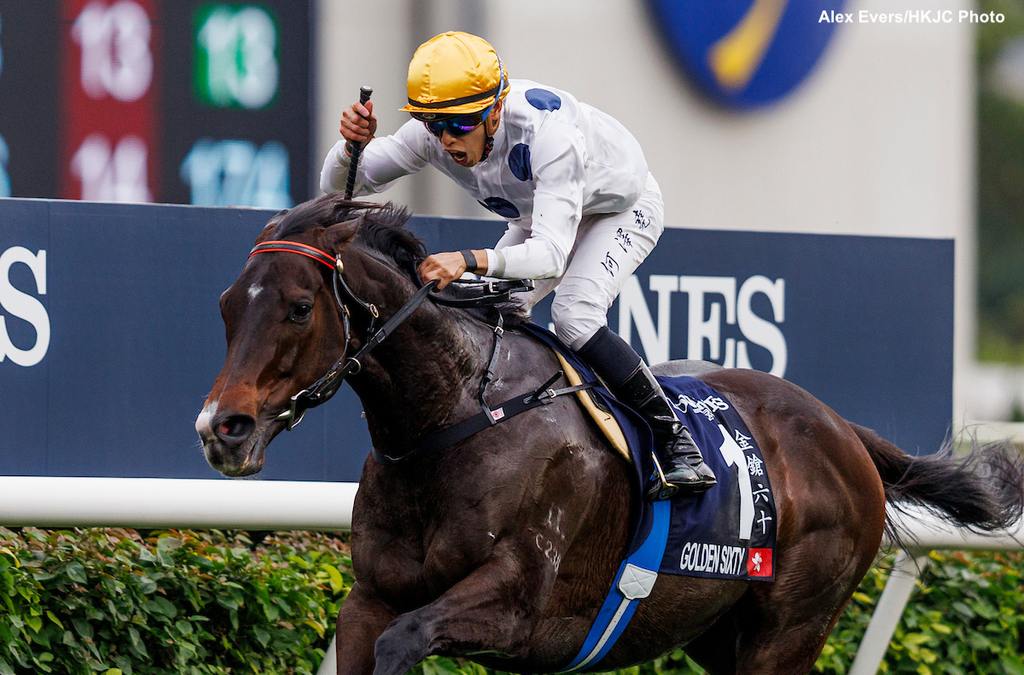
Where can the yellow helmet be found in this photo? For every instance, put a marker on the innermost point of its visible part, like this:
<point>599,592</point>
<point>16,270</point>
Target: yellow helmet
<point>455,73</point>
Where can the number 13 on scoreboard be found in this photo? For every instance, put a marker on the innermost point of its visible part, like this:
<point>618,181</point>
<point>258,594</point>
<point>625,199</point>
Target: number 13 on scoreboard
<point>109,106</point>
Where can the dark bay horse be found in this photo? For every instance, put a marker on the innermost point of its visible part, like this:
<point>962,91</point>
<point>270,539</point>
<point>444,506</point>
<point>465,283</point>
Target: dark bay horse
<point>503,547</point>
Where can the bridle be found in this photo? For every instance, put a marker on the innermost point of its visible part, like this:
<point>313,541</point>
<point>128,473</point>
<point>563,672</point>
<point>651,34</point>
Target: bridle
<point>327,385</point>
<point>476,294</point>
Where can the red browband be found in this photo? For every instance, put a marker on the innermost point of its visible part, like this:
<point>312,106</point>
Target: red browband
<point>311,252</point>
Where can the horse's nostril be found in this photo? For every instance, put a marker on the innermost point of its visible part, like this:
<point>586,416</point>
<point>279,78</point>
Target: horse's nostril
<point>233,429</point>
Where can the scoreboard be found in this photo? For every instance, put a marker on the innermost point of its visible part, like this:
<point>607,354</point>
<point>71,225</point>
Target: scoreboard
<point>182,101</point>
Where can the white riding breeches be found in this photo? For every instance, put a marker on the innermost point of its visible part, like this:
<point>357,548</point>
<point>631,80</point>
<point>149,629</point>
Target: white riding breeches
<point>608,249</point>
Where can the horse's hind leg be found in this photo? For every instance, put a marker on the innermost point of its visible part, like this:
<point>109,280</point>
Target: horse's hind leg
<point>784,649</point>
<point>715,648</point>
<point>747,641</point>
<point>751,638</point>
<point>783,626</point>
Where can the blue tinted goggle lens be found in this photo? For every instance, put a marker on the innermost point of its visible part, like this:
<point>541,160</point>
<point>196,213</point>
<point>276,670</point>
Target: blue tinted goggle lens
<point>456,126</point>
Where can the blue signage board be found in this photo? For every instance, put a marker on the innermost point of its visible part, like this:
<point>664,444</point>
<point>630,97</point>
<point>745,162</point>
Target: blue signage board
<point>110,332</point>
<point>746,53</point>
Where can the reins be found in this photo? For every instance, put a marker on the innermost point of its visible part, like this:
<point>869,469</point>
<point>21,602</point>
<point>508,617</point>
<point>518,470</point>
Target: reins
<point>327,385</point>
<point>484,293</point>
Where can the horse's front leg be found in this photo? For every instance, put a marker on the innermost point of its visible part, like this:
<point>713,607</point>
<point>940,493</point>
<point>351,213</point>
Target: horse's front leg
<point>362,619</point>
<point>494,609</point>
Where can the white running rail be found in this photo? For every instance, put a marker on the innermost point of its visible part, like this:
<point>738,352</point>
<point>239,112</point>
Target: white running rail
<point>295,505</point>
<point>929,534</point>
<point>175,502</point>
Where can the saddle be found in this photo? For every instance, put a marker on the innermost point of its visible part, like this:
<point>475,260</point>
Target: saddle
<point>476,293</point>
<point>473,294</point>
<point>600,415</point>
<point>490,293</point>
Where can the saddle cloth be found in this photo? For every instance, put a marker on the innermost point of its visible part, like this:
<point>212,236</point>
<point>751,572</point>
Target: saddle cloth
<point>727,532</point>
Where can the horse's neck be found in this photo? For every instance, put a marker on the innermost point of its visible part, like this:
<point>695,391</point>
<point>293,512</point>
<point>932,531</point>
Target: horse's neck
<point>416,379</point>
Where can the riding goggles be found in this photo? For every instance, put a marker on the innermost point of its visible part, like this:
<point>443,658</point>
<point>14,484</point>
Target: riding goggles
<point>456,125</point>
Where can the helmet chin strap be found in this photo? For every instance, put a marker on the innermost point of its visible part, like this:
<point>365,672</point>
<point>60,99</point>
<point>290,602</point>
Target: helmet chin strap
<point>488,145</point>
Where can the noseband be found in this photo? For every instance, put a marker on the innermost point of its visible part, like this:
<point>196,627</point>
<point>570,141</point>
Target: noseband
<point>328,384</point>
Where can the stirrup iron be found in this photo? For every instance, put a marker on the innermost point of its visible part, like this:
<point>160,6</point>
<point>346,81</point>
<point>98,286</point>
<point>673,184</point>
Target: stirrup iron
<point>664,491</point>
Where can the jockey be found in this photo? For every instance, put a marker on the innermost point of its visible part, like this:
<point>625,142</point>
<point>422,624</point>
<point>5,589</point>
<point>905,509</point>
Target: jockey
<point>583,210</point>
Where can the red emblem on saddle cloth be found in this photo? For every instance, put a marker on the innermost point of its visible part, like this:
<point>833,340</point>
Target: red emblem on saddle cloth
<point>759,562</point>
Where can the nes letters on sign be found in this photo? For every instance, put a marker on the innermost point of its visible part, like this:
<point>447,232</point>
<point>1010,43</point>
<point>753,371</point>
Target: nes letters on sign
<point>25,344</point>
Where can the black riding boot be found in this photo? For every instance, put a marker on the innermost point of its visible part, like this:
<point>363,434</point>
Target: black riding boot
<point>681,462</point>
<point>681,466</point>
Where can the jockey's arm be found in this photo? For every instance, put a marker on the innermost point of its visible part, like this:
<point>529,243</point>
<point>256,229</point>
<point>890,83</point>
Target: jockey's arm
<point>558,169</point>
<point>383,160</point>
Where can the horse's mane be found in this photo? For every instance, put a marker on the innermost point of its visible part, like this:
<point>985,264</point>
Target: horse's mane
<point>382,231</point>
<point>382,228</point>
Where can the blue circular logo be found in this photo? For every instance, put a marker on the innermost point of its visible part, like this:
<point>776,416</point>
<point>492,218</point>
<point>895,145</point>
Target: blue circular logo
<point>747,53</point>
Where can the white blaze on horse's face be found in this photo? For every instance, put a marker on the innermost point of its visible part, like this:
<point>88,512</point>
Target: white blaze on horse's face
<point>267,337</point>
<point>204,423</point>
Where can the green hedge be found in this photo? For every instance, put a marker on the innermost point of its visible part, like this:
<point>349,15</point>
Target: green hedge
<point>965,617</point>
<point>111,601</point>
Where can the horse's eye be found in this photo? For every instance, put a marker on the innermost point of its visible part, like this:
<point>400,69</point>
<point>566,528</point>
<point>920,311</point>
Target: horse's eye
<point>300,312</point>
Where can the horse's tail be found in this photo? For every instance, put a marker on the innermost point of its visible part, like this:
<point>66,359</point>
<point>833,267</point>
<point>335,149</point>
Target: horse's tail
<point>982,490</point>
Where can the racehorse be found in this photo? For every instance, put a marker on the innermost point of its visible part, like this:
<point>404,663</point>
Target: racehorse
<point>502,547</point>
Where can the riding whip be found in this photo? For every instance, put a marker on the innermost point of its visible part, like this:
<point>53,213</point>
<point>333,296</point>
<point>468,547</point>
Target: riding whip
<point>357,148</point>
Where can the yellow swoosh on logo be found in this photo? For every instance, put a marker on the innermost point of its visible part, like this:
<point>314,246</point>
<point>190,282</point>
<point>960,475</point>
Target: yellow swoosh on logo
<point>736,56</point>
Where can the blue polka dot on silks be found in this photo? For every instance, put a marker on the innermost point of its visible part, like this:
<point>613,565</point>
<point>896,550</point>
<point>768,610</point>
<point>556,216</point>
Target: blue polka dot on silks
<point>542,99</point>
<point>502,207</point>
<point>519,161</point>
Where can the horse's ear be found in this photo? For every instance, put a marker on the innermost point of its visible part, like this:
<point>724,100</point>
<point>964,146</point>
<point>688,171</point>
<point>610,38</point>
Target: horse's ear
<point>268,229</point>
<point>267,232</point>
<point>337,236</point>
